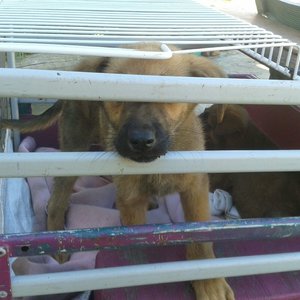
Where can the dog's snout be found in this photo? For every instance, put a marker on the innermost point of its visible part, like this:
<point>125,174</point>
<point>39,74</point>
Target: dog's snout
<point>142,142</point>
<point>141,139</point>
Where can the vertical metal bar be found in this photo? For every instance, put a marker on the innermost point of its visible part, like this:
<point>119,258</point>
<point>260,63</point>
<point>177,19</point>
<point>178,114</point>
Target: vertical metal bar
<point>11,60</point>
<point>271,54</point>
<point>296,70</point>
<point>5,280</point>
<point>2,59</point>
<point>11,63</point>
<point>289,55</point>
<point>279,56</point>
<point>2,100</point>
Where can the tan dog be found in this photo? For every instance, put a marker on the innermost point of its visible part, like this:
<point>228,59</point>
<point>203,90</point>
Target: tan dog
<point>141,132</point>
<point>254,194</point>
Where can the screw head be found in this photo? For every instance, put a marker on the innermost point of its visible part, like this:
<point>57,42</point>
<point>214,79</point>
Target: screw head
<point>3,294</point>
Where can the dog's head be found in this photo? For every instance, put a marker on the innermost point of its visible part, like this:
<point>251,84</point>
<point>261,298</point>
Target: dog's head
<point>230,127</point>
<point>225,126</point>
<point>144,131</point>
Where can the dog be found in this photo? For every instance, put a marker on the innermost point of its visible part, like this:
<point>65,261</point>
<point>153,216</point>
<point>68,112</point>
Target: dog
<point>255,195</point>
<point>141,132</point>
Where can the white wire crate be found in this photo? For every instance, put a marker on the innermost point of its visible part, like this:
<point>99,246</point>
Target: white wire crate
<point>96,28</point>
<point>89,27</point>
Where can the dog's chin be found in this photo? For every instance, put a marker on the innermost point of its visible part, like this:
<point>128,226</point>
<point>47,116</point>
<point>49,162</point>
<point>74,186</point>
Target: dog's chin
<point>142,158</point>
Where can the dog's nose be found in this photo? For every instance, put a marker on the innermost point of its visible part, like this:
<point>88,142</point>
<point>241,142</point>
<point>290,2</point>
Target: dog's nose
<point>141,139</point>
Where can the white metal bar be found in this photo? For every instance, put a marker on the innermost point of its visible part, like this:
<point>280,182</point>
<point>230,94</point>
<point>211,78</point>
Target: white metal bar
<point>113,277</point>
<point>94,49</point>
<point>186,6</point>
<point>279,55</point>
<point>116,87</point>
<point>236,47</point>
<point>11,63</point>
<point>252,38</point>
<point>2,60</point>
<point>274,65</point>
<point>271,54</point>
<point>14,102</point>
<point>109,163</point>
<point>11,60</point>
<point>48,28</point>
<point>116,22</point>
<point>89,51</point>
<point>124,19</point>
<point>289,55</point>
<point>117,40</point>
<point>297,63</point>
<point>162,26</point>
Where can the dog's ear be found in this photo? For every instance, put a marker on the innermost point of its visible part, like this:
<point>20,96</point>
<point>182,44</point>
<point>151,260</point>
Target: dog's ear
<point>234,121</point>
<point>221,109</point>
<point>93,64</point>
<point>203,67</point>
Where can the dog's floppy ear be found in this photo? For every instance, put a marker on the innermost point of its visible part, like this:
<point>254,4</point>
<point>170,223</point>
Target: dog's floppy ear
<point>203,67</point>
<point>221,108</point>
<point>234,121</point>
<point>93,64</point>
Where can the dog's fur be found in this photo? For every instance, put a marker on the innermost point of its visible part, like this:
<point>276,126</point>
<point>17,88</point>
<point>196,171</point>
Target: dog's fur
<point>141,132</point>
<point>254,194</point>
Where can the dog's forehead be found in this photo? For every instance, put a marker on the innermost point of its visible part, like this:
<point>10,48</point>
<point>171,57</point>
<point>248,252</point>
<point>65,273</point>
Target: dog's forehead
<point>175,66</point>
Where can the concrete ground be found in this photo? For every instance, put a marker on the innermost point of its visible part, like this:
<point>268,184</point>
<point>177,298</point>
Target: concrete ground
<point>234,61</point>
<point>246,10</point>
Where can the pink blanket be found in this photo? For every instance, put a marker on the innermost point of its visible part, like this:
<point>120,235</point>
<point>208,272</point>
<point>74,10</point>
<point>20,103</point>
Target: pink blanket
<point>92,205</point>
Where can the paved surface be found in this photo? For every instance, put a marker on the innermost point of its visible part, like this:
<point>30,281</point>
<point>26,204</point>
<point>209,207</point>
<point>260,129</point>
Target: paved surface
<point>246,10</point>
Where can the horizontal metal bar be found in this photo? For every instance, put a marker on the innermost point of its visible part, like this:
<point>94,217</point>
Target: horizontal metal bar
<point>145,25</point>
<point>242,38</point>
<point>187,6</point>
<point>64,46</point>
<point>107,13</point>
<point>81,29</point>
<point>235,47</point>
<point>117,87</point>
<point>40,243</point>
<point>85,50</point>
<point>132,18</point>
<point>92,32</point>
<point>106,278</point>
<point>109,163</point>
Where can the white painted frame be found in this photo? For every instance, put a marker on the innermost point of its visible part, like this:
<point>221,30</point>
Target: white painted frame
<point>22,32</point>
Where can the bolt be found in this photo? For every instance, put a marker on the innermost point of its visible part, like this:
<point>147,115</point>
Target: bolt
<point>3,294</point>
<point>2,252</point>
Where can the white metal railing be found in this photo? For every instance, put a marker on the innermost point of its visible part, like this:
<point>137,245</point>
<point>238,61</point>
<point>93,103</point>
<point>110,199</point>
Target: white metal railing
<point>85,50</point>
<point>117,87</point>
<point>89,28</point>
<point>158,87</point>
<point>68,27</point>
<point>43,284</point>
<point>109,163</point>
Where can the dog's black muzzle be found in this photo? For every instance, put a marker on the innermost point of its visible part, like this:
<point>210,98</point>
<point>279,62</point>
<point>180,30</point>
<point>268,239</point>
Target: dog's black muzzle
<point>142,142</point>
